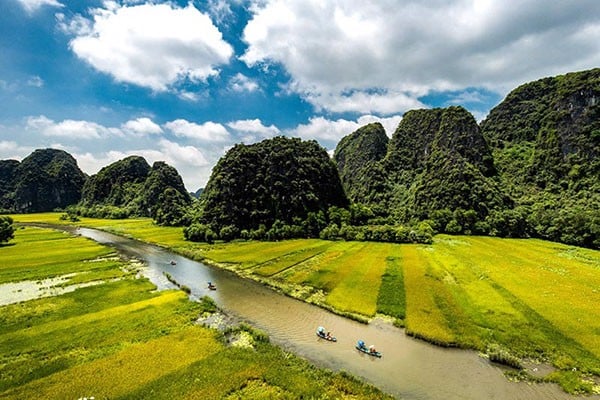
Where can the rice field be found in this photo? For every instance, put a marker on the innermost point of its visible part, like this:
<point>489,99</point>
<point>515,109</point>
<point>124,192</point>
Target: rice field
<point>528,299</point>
<point>122,339</point>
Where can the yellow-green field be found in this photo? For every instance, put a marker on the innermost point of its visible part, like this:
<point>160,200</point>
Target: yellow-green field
<point>528,298</point>
<point>122,339</point>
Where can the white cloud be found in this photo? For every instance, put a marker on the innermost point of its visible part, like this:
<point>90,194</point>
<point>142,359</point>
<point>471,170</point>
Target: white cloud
<point>364,101</point>
<point>350,55</point>
<point>188,96</point>
<point>69,128</point>
<point>252,130</point>
<point>33,5</point>
<point>35,81</point>
<point>220,9</point>
<point>208,131</point>
<point>330,132</point>
<point>389,124</point>
<point>141,126</point>
<point>189,161</point>
<point>150,45</point>
<point>11,150</point>
<point>241,83</point>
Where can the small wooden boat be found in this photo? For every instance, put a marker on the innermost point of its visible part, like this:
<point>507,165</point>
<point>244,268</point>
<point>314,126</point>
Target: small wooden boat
<point>173,262</point>
<point>369,352</point>
<point>211,286</point>
<point>324,336</point>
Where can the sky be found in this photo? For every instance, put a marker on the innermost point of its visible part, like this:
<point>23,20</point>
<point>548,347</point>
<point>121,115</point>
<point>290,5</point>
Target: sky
<point>184,81</point>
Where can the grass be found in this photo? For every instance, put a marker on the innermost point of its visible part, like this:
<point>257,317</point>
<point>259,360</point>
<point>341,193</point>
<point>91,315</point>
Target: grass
<point>124,340</point>
<point>21,258</point>
<point>526,299</point>
<point>392,297</point>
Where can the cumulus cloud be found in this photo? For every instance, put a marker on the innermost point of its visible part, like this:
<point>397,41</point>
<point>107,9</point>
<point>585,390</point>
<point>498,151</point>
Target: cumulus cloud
<point>142,126</point>
<point>208,131</point>
<point>340,53</point>
<point>241,83</point>
<point>33,5</point>
<point>330,132</point>
<point>150,45</point>
<point>73,129</point>
<point>11,150</point>
<point>189,161</point>
<point>252,130</point>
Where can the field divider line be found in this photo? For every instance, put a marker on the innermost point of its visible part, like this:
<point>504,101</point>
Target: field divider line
<point>295,264</point>
<point>270,260</point>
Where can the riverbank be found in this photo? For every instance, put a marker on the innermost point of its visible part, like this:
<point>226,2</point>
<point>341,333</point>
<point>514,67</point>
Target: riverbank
<point>527,301</point>
<point>122,339</point>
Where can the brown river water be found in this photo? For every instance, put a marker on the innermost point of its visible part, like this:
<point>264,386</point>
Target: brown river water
<point>409,368</point>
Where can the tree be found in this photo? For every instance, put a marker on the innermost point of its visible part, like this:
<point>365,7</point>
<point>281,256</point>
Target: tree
<point>7,230</point>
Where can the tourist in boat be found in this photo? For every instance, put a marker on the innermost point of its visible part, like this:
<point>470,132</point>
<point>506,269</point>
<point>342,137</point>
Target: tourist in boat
<point>372,349</point>
<point>321,331</point>
<point>361,345</point>
<point>328,336</point>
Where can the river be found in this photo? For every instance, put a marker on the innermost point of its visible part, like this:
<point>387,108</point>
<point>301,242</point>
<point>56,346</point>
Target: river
<point>409,368</point>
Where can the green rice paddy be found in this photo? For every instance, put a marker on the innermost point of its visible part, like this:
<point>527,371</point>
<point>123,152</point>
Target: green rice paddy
<point>526,298</point>
<point>121,339</point>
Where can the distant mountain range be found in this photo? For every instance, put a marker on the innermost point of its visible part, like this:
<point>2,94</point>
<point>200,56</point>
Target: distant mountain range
<point>531,168</point>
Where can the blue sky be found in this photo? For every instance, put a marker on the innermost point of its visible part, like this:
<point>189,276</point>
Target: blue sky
<point>182,81</point>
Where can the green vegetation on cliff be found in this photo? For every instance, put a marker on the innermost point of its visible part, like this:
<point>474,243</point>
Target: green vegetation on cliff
<point>130,187</point>
<point>545,138</point>
<point>45,180</point>
<point>279,181</point>
<point>437,167</point>
<point>357,158</point>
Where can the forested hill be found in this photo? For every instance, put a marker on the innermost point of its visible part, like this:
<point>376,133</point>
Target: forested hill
<point>44,180</point>
<point>545,138</point>
<point>131,187</point>
<point>50,179</point>
<point>357,157</point>
<point>437,162</point>
<point>277,181</point>
<point>437,166</point>
<point>531,169</point>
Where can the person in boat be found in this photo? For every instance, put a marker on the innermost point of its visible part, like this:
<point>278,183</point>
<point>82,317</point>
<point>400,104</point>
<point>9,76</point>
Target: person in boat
<point>361,345</point>
<point>321,331</point>
<point>328,336</point>
<point>372,349</point>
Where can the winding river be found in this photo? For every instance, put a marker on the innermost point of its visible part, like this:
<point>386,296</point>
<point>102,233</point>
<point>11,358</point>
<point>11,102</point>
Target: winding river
<point>409,368</point>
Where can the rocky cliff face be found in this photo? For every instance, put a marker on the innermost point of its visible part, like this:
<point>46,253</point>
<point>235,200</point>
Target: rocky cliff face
<point>131,184</point>
<point>45,180</point>
<point>545,138</point>
<point>548,131</point>
<point>8,172</point>
<point>436,160</point>
<point>279,179</point>
<point>117,184</point>
<point>358,157</point>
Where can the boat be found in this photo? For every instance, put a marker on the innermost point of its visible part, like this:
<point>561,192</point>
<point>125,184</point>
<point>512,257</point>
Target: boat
<point>360,346</point>
<point>324,336</point>
<point>211,286</point>
<point>173,262</point>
